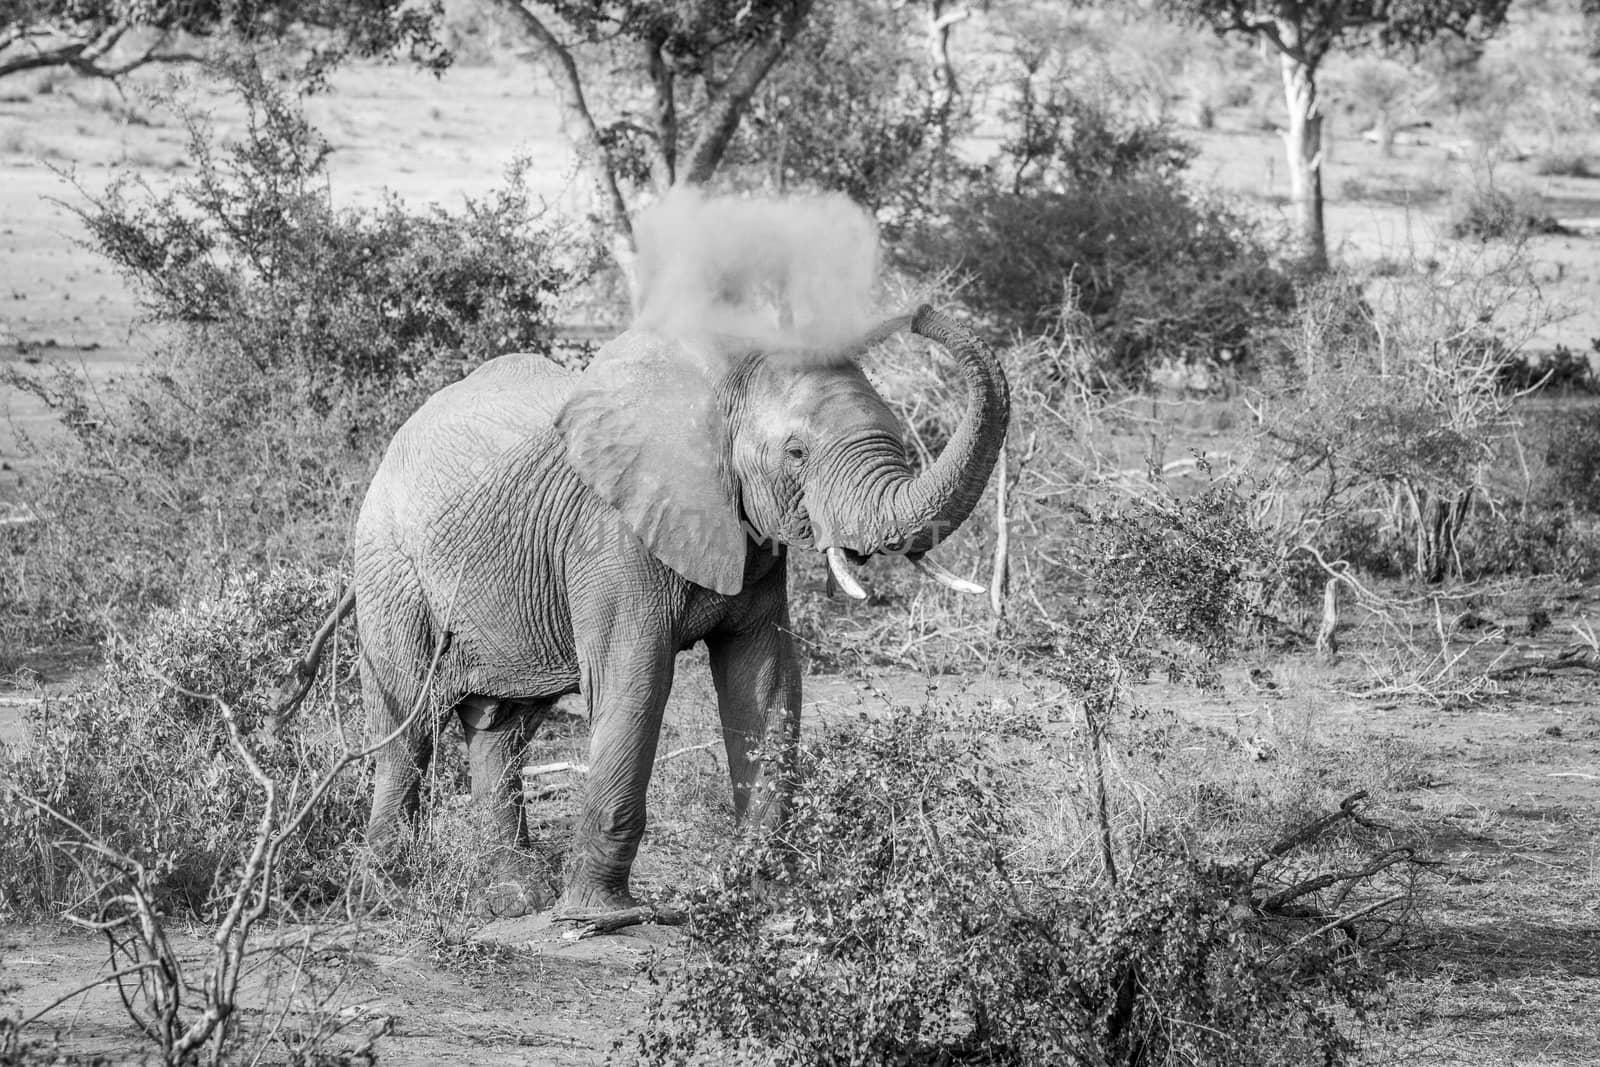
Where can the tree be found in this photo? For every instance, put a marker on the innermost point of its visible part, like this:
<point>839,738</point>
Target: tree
<point>111,38</point>
<point>1303,33</point>
<point>697,64</point>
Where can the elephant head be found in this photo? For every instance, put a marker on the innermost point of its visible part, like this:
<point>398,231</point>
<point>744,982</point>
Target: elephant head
<point>704,446</point>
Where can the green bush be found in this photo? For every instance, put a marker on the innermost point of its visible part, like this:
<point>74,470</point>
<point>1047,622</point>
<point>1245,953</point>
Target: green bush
<point>1161,272</point>
<point>298,337</point>
<point>150,771</point>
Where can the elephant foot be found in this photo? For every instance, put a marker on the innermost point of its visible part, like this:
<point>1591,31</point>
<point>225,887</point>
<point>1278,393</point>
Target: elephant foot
<point>510,900</point>
<point>518,885</point>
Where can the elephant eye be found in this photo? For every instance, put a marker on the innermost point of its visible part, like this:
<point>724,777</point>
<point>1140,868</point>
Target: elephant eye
<point>795,451</point>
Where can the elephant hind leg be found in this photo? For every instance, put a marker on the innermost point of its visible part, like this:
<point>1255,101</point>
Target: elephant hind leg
<point>397,795</point>
<point>395,686</point>
<point>497,732</point>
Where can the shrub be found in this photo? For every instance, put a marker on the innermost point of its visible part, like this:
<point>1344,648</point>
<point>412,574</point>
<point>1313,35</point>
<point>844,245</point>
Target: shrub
<point>149,770</point>
<point>255,264</point>
<point>917,908</point>
<point>1572,459</point>
<point>886,924</point>
<point>846,111</point>
<point>300,336</point>
<point>1490,214</point>
<point>1562,540</point>
<point>1563,164</point>
<point>1160,271</point>
<point>1385,419</point>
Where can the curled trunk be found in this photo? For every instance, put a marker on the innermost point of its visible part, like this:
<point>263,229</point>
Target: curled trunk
<point>925,509</point>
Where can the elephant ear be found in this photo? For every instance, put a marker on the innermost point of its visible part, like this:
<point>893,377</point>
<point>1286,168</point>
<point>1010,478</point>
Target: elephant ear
<point>645,432</point>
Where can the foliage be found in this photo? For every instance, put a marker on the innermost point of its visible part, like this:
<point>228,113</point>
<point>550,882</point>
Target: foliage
<point>299,336</point>
<point>1066,132</point>
<point>1539,538</point>
<point>1318,27</point>
<point>885,924</point>
<point>906,914</point>
<point>1571,457</point>
<point>253,260</point>
<point>1490,214</point>
<point>694,66</point>
<point>109,40</point>
<point>149,770</point>
<point>1160,271</point>
<point>846,111</point>
<point>1394,407</point>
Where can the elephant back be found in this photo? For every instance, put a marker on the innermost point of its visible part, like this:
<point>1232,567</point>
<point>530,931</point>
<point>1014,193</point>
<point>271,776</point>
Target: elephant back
<point>459,434</point>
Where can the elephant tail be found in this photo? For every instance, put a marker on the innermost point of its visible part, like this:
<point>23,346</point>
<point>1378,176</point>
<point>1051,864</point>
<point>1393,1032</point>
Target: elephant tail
<point>293,689</point>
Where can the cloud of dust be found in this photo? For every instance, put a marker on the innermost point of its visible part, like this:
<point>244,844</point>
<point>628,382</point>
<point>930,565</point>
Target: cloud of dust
<point>797,273</point>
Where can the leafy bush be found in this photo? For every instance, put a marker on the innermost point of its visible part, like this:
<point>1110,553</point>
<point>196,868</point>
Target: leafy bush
<point>1490,214</point>
<point>1563,540</point>
<point>846,111</point>
<point>1572,459</point>
<point>887,925</point>
<point>300,336</point>
<point>149,770</point>
<point>1160,271</point>
<point>254,262</point>
<point>1563,164</point>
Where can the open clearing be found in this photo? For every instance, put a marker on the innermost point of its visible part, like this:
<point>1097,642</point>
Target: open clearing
<point>1505,789</point>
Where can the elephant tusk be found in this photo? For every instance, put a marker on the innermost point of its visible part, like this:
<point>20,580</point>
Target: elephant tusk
<point>946,578</point>
<point>842,571</point>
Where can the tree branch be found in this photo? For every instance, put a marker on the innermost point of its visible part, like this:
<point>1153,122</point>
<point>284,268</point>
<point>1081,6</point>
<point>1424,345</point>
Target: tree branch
<point>580,123</point>
<point>664,165</point>
<point>728,102</point>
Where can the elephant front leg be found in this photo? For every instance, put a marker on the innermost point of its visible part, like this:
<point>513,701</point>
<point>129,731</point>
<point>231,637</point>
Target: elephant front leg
<point>757,675</point>
<point>627,682</point>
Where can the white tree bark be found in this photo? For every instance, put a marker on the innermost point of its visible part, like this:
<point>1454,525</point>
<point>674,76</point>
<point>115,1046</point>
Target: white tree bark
<point>1303,143</point>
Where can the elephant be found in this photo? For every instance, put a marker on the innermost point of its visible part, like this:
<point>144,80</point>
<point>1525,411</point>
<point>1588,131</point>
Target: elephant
<point>532,532</point>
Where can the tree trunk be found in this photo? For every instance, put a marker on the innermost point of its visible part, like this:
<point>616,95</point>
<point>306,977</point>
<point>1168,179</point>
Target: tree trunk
<point>1303,140</point>
<point>1384,128</point>
<point>579,123</point>
<point>727,104</point>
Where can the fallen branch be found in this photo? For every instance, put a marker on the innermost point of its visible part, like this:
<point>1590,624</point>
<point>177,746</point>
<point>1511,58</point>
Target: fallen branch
<point>644,914</point>
<point>1574,658</point>
<point>1313,830</point>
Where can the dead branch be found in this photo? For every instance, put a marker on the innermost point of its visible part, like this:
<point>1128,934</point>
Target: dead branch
<point>1313,830</point>
<point>1282,899</point>
<point>1572,658</point>
<point>292,692</point>
<point>645,914</point>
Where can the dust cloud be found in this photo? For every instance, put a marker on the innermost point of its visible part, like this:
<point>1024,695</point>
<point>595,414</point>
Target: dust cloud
<point>796,274</point>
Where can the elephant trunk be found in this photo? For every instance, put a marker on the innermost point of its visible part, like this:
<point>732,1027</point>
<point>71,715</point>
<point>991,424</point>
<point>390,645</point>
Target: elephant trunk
<point>928,507</point>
